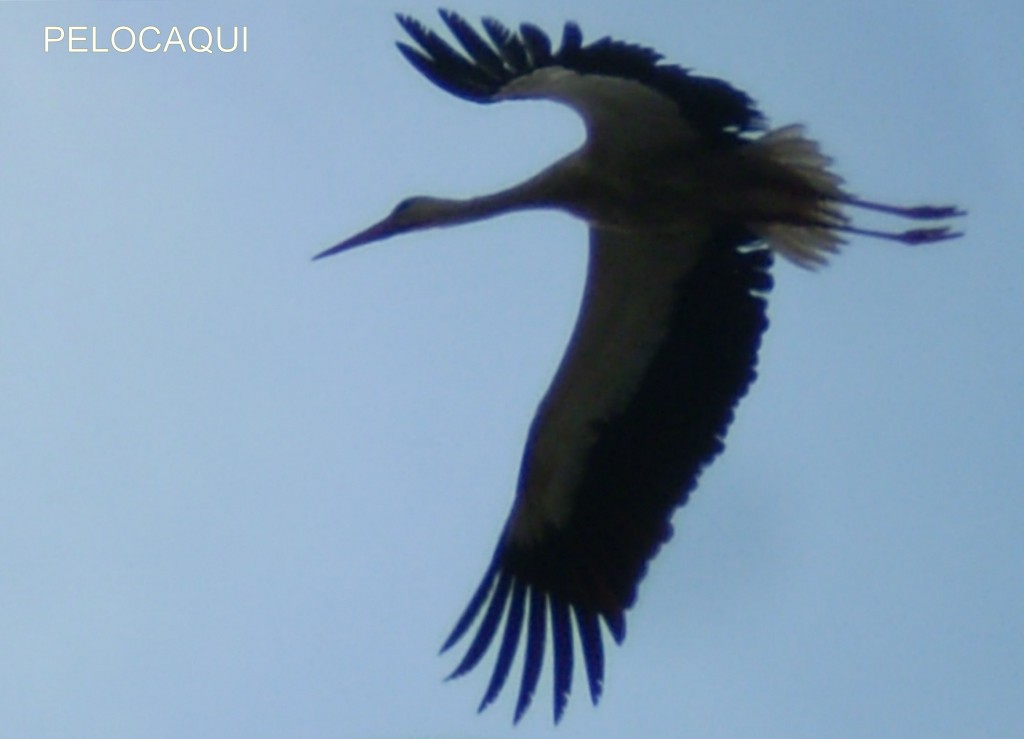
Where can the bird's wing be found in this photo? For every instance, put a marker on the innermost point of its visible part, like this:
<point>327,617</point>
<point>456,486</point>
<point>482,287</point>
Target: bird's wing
<point>629,101</point>
<point>665,346</point>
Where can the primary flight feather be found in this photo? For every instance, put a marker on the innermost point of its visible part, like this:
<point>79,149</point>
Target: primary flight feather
<point>687,197</point>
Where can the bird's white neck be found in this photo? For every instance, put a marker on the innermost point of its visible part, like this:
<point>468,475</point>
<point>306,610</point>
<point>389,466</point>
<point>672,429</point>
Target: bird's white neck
<point>540,191</point>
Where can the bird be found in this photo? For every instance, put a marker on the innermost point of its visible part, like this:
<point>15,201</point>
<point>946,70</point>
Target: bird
<point>688,196</point>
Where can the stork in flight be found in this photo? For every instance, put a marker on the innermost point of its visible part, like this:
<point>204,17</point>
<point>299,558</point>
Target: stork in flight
<point>687,197</point>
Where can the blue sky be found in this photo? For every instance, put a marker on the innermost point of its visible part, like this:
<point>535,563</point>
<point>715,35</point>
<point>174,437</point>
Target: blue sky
<point>247,495</point>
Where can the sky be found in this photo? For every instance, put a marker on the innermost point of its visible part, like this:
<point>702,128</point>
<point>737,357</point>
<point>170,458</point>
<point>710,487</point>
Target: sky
<point>244,494</point>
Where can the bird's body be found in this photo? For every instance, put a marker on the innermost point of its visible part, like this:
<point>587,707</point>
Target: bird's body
<point>687,199</point>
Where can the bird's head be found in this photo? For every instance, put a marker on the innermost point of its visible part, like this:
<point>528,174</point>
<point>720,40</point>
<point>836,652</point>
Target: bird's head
<point>409,215</point>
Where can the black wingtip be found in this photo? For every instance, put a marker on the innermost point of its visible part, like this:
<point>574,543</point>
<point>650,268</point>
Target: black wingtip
<point>488,627</point>
<point>617,626</point>
<point>589,630</point>
<point>534,657</point>
<point>473,607</point>
<point>409,24</point>
<point>443,65</point>
<point>561,637</point>
<point>509,644</point>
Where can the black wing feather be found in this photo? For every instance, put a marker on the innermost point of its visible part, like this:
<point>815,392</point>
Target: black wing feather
<point>714,107</point>
<point>437,50</point>
<point>572,40</point>
<point>589,629</point>
<point>488,627</point>
<point>533,659</point>
<point>537,44</point>
<point>509,644</point>
<point>508,45</point>
<point>561,648</point>
<point>427,67</point>
<point>480,51</point>
<point>473,609</point>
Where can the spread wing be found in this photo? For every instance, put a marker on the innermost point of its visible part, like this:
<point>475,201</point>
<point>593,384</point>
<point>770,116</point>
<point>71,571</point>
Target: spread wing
<point>627,98</point>
<point>665,346</point>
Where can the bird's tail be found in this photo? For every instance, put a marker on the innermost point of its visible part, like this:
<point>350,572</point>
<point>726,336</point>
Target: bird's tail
<point>805,220</point>
<point>811,204</point>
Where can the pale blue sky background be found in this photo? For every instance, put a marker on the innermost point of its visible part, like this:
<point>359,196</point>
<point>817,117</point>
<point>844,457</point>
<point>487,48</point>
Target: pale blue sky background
<point>246,495</point>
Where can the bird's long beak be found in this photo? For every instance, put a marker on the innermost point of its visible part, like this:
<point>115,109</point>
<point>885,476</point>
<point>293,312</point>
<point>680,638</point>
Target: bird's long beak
<point>376,232</point>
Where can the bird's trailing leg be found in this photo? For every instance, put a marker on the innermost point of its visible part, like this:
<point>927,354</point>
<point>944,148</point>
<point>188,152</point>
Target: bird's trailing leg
<point>916,212</point>
<point>912,236</point>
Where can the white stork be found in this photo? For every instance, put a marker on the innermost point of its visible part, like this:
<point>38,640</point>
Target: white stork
<point>686,198</point>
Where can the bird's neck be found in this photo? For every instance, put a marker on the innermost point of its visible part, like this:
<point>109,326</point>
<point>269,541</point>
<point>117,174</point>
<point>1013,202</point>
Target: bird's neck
<point>536,192</point>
